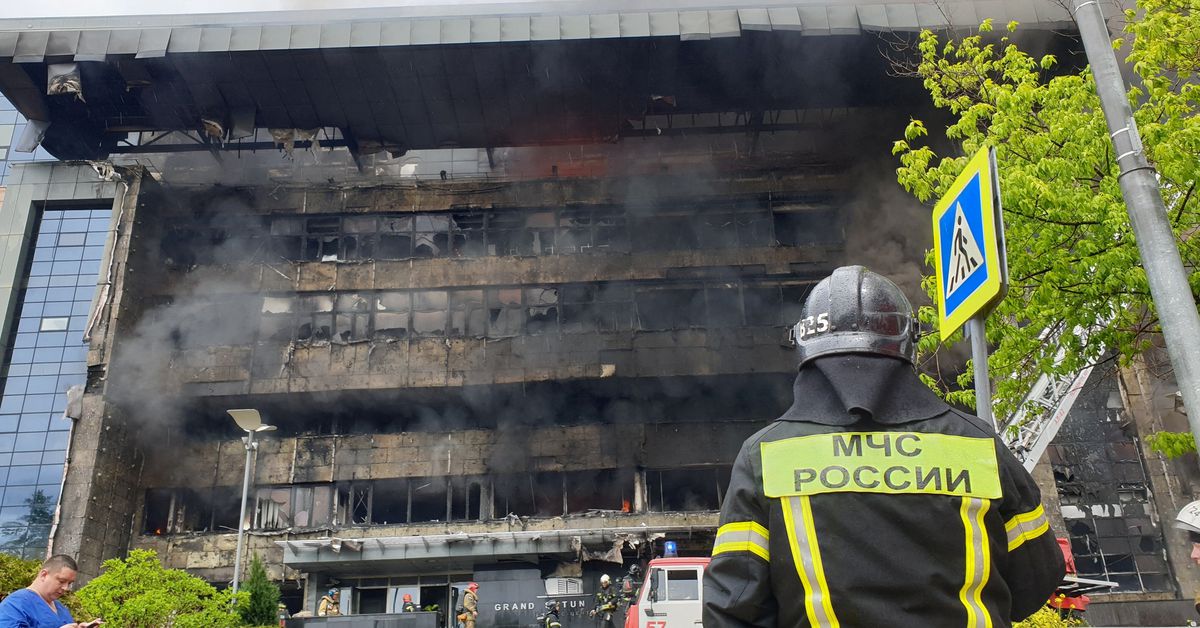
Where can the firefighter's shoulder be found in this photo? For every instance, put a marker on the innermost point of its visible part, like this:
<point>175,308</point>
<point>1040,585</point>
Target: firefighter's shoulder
<point>780,429</point>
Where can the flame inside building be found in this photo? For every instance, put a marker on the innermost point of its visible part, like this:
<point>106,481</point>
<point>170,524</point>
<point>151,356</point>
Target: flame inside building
<point>512,288</point>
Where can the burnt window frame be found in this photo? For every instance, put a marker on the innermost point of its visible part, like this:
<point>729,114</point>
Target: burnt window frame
<point>606,307</point>
<point>189,510</point>
<point>656,500</point>
<point>468,232</point>
<point>295,493</point>
<point>353,317</point>
<point>792,214</point>
<point>1106,492</point>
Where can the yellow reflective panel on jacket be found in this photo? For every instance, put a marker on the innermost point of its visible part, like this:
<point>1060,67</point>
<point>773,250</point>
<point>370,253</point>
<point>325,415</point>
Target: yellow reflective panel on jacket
<point>978,562</point>
<point>881,462</point>
<point>806,554</point>
<point>1026,527</point>
<point>743,536</point>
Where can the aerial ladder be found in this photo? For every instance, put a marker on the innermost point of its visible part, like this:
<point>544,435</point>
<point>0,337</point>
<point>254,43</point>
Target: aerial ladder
<point>1041,414</point>
<point>1028,432</point>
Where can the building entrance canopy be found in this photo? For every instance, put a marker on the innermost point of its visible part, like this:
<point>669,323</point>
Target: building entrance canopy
<point>402,554</point>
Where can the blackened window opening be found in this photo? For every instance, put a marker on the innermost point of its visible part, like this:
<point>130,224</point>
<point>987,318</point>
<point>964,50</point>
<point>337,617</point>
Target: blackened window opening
<point>687,490</point>
<point>503,312</point>
<point>1105,492</point>
<point>420,500</point>
<point>711,223</point>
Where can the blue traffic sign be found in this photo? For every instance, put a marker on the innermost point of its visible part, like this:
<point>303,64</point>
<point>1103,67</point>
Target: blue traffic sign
<point>968,240</point>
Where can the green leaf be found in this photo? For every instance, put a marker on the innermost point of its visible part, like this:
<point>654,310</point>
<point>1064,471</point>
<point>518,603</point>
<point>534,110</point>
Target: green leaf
<point>1172,444</point>
<point>1073,263</point>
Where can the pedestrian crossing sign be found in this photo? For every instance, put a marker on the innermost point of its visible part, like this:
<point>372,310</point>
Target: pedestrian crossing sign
<point>968,243</point>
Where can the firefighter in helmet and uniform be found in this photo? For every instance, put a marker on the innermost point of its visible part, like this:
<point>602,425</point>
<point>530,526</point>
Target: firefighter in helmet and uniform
<point>871,502</point>
<point>329,604</point>
<point>550,619</point>
<point>469,613</point>
<point>1188,520</point>
<point>606,603</point>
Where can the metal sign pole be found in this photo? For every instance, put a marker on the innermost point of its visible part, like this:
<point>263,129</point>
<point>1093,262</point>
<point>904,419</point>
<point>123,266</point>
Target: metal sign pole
<point>971,263</point>
<point>1139,186</point>
<point>983,382</point>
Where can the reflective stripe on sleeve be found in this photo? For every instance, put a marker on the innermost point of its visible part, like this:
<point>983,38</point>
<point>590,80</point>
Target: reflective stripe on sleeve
<point>743,536</point>
<point>1026,527</point>
<point>978,562</point>
<point>802,538</point>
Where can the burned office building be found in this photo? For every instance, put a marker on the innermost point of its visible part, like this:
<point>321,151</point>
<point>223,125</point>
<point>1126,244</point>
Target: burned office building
<point>511,285</point>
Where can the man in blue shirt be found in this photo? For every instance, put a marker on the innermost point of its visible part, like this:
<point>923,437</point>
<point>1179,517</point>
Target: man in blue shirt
<point>37,605</point>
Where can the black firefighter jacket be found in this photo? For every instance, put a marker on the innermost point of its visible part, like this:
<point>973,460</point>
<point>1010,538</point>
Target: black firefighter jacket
<point>872,503</point>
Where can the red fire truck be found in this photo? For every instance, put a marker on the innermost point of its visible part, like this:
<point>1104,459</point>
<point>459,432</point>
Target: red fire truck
<point>671,595</point>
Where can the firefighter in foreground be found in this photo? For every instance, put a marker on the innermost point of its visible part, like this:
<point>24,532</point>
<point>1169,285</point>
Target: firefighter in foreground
<point>606,603</point>
<point>871,502</point>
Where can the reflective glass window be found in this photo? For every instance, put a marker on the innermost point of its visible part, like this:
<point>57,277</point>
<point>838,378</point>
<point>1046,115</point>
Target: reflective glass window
<point>45,357</point>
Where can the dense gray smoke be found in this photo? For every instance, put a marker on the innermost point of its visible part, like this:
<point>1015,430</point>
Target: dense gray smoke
<point>197,311</point>
<point>665,188</point>
<point>887,230</point>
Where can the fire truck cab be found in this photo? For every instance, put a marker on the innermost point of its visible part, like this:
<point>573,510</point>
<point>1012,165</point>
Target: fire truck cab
<point>672,595</point>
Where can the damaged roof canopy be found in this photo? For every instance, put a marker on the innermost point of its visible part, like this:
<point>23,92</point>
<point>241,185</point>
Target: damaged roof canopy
<point>399,83</point>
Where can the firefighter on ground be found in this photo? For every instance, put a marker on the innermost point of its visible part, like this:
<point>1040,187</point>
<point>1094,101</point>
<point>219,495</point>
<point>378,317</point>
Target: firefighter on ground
<point>408,606</point>
<point>631,586</point>
<point>470,606</point>
<point>550,619</point>
<point>606,603</point>
<point>871,502</point>
<point>1188,520</point>
<point>329,604</point>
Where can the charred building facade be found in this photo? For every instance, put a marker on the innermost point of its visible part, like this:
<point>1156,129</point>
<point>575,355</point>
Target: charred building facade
<point>512,286</point>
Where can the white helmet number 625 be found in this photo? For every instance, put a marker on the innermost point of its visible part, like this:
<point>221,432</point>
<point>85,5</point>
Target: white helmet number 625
<point>810,325</point>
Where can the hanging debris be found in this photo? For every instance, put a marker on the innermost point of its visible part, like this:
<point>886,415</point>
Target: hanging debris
<point>64,78</point>
<point>214,129</point>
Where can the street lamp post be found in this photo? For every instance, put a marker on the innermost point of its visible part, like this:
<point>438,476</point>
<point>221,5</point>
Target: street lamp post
<point>250,421</point>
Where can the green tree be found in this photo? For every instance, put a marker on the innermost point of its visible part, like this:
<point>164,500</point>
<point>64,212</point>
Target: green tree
<point>1073,263</point>
<point>138,592</point>
<point>263,605</point>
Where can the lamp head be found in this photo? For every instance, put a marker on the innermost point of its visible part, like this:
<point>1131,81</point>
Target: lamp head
<point>248,419</point>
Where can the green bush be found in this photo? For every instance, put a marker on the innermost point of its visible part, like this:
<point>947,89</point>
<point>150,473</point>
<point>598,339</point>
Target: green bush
<point>263,604</point>
<point>139,593</point>
<point>1048,618</point>
<point>16,573</point>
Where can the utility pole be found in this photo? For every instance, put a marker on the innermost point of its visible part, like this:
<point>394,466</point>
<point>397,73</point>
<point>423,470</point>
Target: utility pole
<point>248,441</point>
<point>1139,186</point>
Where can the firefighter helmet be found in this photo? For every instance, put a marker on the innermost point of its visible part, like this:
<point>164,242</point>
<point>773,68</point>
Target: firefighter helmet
<point>855,310</point>
<point>1188,519</point>
<point>604,579</point>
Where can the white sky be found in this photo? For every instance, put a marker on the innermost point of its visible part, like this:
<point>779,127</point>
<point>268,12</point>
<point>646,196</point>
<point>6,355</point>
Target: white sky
<point>22,9</point>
